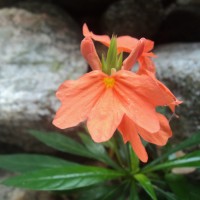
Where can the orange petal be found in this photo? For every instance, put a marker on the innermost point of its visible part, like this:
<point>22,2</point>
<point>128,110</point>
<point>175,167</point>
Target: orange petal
<point>145,63</point>
<point>162,136</point>
<point>167,96</point>
<point>154,91</point>
<point>78,98</point>
<point>148,46</point>
<point>104,39</point>
<point>128,130</point>
<point>63,89</point>
<point>86,31</point>
<point>89,53</point>
<point>173,101</point>
<point>137,108</point>
<point>134,55</point>
<point>126,44</point>
<point>105,117</point>
<point>149,54</point>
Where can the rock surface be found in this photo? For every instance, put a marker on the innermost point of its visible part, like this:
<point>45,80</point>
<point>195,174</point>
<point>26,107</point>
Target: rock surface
<point>178,65</point>
<point>85,6</point>
<point>37,52</point>
<point>181,22</point>
<point>136,18</point>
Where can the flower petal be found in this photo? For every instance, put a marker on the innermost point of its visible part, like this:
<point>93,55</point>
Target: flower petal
<point>78,98</point>
<point>134,55</point>
<point>86,31</point>
<point>145,63</point>
<point>105,117</point>
<point>167,98</point>
<point>129,132</point>
<point>148,46</point>
<point>162,136</point>
<point>150,89</point>
<point>140,110</point>
<point>89,53</point>
<point>126,44</point>
<point>104,39</point>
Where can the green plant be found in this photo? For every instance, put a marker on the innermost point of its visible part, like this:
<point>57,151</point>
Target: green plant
<point>114,171</point>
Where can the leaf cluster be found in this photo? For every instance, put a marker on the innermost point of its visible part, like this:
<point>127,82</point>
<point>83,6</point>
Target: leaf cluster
<point>118,175</point>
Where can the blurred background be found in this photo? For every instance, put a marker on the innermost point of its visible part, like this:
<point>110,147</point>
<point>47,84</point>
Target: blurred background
<point>40,48</point>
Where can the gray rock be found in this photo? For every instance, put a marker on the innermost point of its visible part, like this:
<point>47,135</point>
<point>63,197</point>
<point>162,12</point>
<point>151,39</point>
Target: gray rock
<point>85,6</point>
<point>178,65</point>
<point>37,52</point>
<point>181,22</point>
<point>136,18</point>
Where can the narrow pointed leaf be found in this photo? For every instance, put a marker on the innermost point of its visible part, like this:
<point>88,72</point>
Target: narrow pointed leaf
<point>189,160</point>
<point>97,151</point>
<point>178,185</point>
<point>184,187</point>
<point>166,194</point>
<point>146,185</point>
<point>192,141</point>
<point>119,61</point>
<point>61,143</point>
<point>94,148</point>
<point>134,160</point>
<point>29,162</point>
<point>111,60</point>
<point>63,178</point>
<point>95,191</point>
<point>103,62</point>
<point>115,193</point>
<point>134,192</point>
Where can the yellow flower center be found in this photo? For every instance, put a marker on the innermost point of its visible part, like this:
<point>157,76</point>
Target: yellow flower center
<point>109,82</point>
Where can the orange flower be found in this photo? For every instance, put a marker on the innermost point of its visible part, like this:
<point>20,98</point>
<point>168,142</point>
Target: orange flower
<point>111,97</point>
<point>127,44</point>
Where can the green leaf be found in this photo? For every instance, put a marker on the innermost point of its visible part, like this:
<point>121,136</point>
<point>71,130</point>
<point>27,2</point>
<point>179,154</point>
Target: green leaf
<point>95,191</point>
<point>146,185</point>
<point>64,178</point>
<point>111,60</point>
<point>178,185</point>
<point>103,62</point>
<point>166,194</point>
<point>189,160</point>
<point>116,193</point>
<point>193,140</point>
<point>30,162</point>
<point>134,192</point>
<point>97,150</point>
<point>61,143</point>
<point>184,187</point>
<point>94,148</point>
<point>119,61</point>
<point>134,160</point>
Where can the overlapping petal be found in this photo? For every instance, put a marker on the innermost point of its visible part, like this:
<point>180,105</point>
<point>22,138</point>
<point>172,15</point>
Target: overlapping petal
<point>89,53</point>
<point>166,94</point>
<point>104,39</point>
<point>126,44</point>
<point>139,109</point>
<point>134,55</point>
<point>129,133</point>
<point>161,137</point>
<point>78,98</point>
<point>132,132</point>
<point>105,117</point>
<point>130,45</point>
